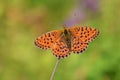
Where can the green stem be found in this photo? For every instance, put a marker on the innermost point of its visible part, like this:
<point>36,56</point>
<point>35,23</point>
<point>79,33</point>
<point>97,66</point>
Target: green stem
<point>53,73</point>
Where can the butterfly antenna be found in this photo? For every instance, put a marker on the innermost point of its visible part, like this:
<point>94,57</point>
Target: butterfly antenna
<point>53,73</point>
<point>64,26</point>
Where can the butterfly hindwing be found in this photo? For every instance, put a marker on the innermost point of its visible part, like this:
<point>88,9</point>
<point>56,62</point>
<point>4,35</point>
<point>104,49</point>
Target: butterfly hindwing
<point>77,45</point>
<point>60,48</point>
<point>47,40</point>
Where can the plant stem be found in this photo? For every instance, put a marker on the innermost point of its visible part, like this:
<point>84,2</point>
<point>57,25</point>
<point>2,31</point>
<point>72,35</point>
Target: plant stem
<point>53,73</point>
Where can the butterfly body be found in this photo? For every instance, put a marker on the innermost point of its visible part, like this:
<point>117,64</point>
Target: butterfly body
<point>67,36</point>
<point>63,42</point>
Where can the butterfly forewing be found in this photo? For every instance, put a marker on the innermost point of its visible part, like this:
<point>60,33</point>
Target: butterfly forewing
<point>60,48</point>
<point>47,40</point>
<point>86,34</point>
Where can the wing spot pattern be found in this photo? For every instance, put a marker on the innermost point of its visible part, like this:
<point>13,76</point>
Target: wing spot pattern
<point>79,39</point>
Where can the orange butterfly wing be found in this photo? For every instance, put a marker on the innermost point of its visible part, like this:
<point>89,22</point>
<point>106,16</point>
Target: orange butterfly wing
<point>47,40</point>
<point>86,34</point>
<point>78,46</point>
<point>81,36</point>
<point>60,48</point>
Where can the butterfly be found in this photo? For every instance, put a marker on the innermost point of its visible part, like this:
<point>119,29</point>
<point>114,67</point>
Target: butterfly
<point>62,42</point>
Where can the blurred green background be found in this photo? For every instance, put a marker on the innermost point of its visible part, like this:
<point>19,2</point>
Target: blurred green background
<point>22,21</point>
